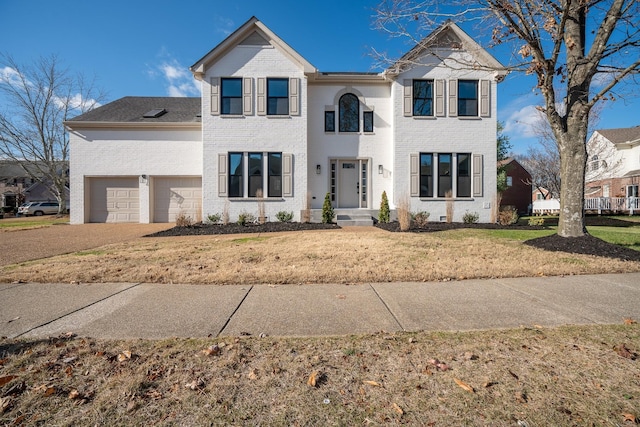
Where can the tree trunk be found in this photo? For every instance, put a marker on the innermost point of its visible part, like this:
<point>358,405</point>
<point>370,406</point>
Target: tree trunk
<point>573,159</point>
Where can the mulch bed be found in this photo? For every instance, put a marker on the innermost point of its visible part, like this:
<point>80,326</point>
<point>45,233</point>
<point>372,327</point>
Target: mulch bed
<point>587,245</point>
<point>201,229</point>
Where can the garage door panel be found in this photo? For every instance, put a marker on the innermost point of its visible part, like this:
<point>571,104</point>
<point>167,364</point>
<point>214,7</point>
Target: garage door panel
<point>174,196</point>
<point>114,200</point>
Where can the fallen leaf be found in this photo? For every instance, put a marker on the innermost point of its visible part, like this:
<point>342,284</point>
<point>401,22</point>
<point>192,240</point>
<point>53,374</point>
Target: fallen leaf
<point>464,385</point>
<point>212,350</point>
<point>398,408</point>
<point>489,384</point>
<point>623,351</point>
<point>629,321</point>
<point>340,296</point>
<point>630,417</point>
<point>125,355</point>
<point>13,320</point>
<point>371,383</point>
<point>74,394</point>
<point>521,397</point>
<point>4,380</point>
<point>252,375</point>
<point>313,379</point>
<point>50,391</point>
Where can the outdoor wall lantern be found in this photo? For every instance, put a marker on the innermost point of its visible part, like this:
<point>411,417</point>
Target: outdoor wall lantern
<point>380,169</point>
<point>318,169</point>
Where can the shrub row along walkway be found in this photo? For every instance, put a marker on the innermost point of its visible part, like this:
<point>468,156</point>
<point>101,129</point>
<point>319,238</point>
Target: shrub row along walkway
<point>132,310</point>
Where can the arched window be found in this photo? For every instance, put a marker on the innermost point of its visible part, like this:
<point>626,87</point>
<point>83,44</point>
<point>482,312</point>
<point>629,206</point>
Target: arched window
<point>349,107</point>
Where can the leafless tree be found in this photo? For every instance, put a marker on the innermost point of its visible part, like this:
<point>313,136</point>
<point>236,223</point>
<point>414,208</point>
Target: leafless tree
<point>543,163</point>
<point>37,99</point>
<point>580,52</point>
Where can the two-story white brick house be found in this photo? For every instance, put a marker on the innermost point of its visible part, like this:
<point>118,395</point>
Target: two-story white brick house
<point>268,122</point>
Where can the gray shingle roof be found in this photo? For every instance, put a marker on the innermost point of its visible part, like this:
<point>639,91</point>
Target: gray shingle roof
<point>131,109</point>
<point>621,136</point>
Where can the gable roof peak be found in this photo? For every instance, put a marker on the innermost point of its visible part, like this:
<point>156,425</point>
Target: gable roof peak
<point>254,33</point>
<point>449,37</point>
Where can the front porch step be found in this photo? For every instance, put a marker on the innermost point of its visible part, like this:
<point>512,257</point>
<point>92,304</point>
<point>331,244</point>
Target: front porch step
<point>354,220</point>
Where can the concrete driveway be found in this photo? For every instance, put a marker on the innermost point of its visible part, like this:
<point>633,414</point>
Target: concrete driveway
<point>26,245</point>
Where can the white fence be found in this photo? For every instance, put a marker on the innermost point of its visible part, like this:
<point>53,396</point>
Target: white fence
<point>546,207</point>
<point>613,204</point>
<point>630,205</point>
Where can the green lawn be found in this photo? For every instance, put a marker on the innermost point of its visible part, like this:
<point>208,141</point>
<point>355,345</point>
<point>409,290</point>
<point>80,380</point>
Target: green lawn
<point>31,222</point>
<point>623,236</point>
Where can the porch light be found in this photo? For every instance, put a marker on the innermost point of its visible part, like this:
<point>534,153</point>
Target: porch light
<point>380,169</point>
<point>318,169</point>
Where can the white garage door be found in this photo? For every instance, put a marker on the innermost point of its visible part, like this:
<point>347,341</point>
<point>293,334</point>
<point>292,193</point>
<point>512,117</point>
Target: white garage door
<point>114,200</point>
<point>173,196</point>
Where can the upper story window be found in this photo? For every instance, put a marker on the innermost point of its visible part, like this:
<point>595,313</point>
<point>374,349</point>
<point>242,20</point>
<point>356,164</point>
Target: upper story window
<point>329,121</point>
<point>277,96</point>
<point>367,121</point>
<point>467,98</point>
<point>423,97</point>
<point>349,113</point>
<point>231,96</point>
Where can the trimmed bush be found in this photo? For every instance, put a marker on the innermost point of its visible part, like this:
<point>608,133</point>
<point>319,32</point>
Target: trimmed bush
<point>327,210</point>
<point>384,214</point>
<point>421,218</point>
<point>214,218</point>
<point>246,218</point>
<point>470,217</point>
<point>533,221</point>
<point>284,216</point>
<point>507,217</point>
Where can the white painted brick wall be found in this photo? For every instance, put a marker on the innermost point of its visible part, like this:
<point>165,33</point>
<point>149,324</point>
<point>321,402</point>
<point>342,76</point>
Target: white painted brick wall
<point>254,133</point>
<point>445,135</point>
<point>100,153</point>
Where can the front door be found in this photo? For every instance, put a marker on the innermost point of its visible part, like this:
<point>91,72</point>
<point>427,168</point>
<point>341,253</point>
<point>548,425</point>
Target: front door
<point>348,184</point>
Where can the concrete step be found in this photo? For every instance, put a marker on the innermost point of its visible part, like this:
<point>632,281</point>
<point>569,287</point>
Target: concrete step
<point>354,220</point>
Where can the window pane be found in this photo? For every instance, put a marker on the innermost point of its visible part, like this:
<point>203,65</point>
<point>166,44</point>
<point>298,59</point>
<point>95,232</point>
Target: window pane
<point>426,175</point>
<point>278,106</point>
<point>444,174</point>
<point>255,173</point>
<point>467,98</point>
<point>464,175</point>
<point>349,113</point>
<point>235,175</point>
<point>231,99</point>
<point>277,96</point>
<point>275,175</point>
<point>231,87</point>
<point>367,118</point>
<point>423,97</point>
<point>329,121</point>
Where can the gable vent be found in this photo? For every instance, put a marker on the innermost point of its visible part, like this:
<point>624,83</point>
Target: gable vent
<point>255,39</point>
<point>154,114</point>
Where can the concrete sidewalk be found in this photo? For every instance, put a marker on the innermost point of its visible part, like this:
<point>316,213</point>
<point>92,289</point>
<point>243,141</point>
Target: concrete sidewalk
<point>132,310</point>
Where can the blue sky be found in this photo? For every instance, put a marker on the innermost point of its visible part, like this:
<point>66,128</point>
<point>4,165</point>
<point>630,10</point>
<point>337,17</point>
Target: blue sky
<point>144,48</point>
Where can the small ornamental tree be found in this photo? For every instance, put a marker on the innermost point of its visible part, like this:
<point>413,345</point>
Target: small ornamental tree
<point>383,215</point>
<point>327,210</point>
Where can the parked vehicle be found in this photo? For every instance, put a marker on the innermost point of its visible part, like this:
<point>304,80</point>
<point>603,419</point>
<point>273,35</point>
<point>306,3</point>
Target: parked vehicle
<point>38,208</point>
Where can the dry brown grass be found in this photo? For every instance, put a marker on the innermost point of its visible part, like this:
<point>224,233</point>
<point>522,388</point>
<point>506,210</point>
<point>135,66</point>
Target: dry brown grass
<point>329,256</point>
<point>534,377</point>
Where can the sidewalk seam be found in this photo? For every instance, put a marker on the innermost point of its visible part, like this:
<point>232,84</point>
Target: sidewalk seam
<point>387,307</point>
<point>234,311</point>
<point>77,310</point>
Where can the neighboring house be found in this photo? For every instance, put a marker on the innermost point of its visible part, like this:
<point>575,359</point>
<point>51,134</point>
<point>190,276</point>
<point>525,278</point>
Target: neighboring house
<point>18,186</point>
<point>13,181</point>
<point>613,166</point>
<point>268,120</point>
<point>518,192</point>
<point>540,193</point>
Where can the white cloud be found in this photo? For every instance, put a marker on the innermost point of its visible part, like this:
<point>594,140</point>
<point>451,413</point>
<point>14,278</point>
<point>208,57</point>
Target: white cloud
<point>523,122</point>
<point>9,75</point>
<point>178,79</point>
